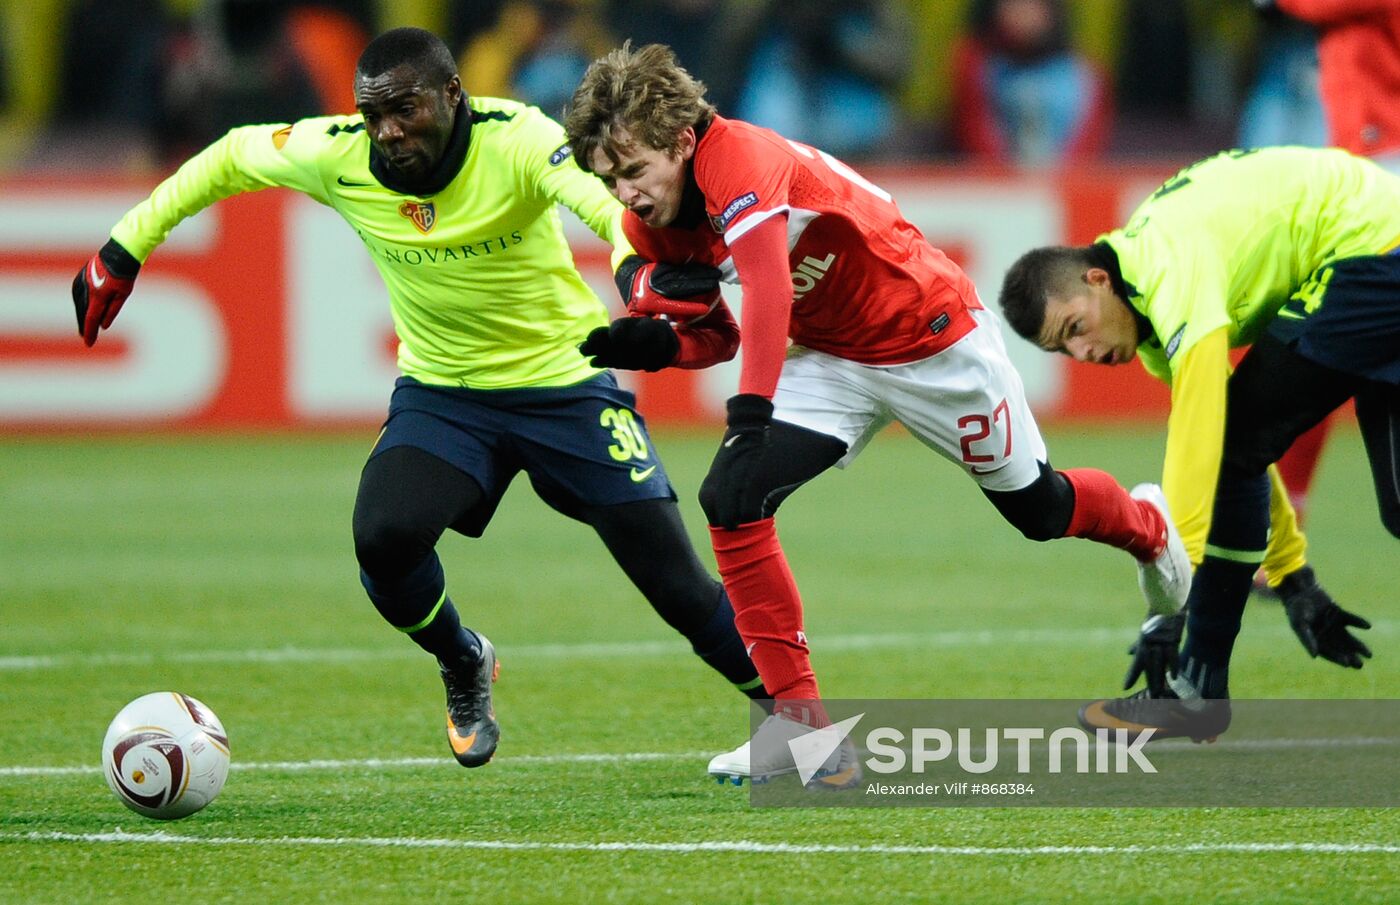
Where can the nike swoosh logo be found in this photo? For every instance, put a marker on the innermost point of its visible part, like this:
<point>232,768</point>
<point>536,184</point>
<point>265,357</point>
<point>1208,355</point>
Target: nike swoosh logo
<point>975,470</point>
<point>459,744</point>
<point>731,441</point>
<point>96,279</point>
<point>640,475</point>
<point>1100,718</point>
<point>342,181</point>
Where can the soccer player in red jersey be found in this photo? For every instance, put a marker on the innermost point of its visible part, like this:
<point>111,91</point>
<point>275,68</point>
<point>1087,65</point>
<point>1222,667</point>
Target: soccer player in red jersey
<point>883,327</point>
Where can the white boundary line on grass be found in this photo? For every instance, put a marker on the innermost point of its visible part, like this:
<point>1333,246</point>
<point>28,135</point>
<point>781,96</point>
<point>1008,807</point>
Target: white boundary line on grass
<point>605,649</point>
<point>527,760</point>
<point>394,762</point>
<point>835,642</point>
<point>161,837</point>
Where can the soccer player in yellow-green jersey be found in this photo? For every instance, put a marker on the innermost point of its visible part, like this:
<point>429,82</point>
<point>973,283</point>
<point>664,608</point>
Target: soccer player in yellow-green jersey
<point>1290,251</point>
<point>455,199</point>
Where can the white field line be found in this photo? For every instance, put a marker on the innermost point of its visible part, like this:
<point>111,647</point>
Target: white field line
<point>1084,637</point>
<point>379,763</point>
<point>160,837</point>
<point>529,760</point>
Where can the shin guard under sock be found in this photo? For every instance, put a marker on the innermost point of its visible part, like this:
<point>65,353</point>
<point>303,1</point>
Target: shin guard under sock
<point>1214,610</point>
<point>767,607</point>
<point>417,605</point>
<point>1239,532</point>
<point>719,645</point>
<point>1104,512</point>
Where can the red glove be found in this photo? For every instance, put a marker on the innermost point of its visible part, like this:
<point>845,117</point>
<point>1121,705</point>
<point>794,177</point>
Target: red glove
<point>680,292</point>
<point>101,287</point>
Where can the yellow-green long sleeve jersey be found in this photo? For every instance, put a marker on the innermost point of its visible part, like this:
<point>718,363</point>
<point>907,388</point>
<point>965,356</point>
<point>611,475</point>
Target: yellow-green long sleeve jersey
<point>482,285</point>
<point>1210,258</point>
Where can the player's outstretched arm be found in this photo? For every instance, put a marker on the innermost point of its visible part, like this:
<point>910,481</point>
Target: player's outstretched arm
<point>1196,438</point>
<point>101,287</point>
<point>245,159</point>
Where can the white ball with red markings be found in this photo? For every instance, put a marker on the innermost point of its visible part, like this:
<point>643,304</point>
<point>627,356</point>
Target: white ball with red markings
<point>165,755</point>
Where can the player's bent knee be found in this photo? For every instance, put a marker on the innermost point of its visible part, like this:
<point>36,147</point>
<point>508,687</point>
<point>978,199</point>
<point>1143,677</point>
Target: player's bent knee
<point>710,505</point>
<point>385,546</point>
<point>1041,511</point>
<point>755,507</point>
<point>1037,526</point>
<point>1041,530</point>
<point>708,501</point>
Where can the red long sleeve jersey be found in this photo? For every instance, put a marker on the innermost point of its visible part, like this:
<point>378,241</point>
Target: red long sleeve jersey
<point>862,283</point>
<point>1358,50</point>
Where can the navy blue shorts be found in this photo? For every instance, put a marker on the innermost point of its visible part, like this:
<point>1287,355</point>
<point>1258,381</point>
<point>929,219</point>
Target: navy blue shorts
<point>1354,326</point>
<point>582,445</point>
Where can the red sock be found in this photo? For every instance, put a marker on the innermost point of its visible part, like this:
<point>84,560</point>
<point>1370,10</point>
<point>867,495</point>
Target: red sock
<point>1104,512</point>
<point>768,615</point>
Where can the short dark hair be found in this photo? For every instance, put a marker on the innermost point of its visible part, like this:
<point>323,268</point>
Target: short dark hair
<point>1037,273</point>
<point>415,47</point>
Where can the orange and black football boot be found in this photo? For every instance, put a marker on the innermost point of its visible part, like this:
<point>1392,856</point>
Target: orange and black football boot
<point>472,730</point>
<point>1199,719</point>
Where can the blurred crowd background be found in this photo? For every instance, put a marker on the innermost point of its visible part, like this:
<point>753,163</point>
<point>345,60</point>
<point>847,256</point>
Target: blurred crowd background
<point>138,85</point>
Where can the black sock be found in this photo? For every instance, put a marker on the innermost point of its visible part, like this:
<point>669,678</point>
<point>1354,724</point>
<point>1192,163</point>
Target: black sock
<point>717,642</point>
<point>417,605</point>
<point>1239,533</point>
<point>1216,605</point>
<point>446,638</point>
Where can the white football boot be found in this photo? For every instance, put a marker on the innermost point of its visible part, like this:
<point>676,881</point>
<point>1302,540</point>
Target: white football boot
<point>840,770</point>
<point>1166,580</point>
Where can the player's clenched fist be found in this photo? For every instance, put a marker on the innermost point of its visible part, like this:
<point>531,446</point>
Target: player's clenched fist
<point>681,292</point>
<point>101,287</point>
<point>632,343</point>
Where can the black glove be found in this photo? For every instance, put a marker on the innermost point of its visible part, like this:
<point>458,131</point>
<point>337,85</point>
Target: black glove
<point>1319,623</point>
<point>1155,652</point>
<point>731,472</point>
<point>633,344</point>
<point>101,288</point>
<point>638,278</point>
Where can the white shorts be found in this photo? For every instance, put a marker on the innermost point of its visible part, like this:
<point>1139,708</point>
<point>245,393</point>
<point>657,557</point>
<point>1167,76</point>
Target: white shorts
<point>966,403</point>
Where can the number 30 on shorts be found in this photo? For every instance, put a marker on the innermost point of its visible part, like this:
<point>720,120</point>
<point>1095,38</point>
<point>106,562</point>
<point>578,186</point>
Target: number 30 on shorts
<point>631,442</point>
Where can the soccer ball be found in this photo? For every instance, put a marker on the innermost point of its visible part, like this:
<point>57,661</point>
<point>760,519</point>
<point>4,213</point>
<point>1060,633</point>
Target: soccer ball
<point>165,755</point>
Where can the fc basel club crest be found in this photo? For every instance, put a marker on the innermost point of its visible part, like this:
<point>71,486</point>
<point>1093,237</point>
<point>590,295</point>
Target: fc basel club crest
<point>423,214</point>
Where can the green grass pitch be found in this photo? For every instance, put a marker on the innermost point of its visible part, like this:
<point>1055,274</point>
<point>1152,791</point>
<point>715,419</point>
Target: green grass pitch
<point>222,567</point>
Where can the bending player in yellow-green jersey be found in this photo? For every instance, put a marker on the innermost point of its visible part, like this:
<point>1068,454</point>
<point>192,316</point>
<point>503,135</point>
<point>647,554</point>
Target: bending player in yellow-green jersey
<point>1291,251</point>
<point>455,199</point>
